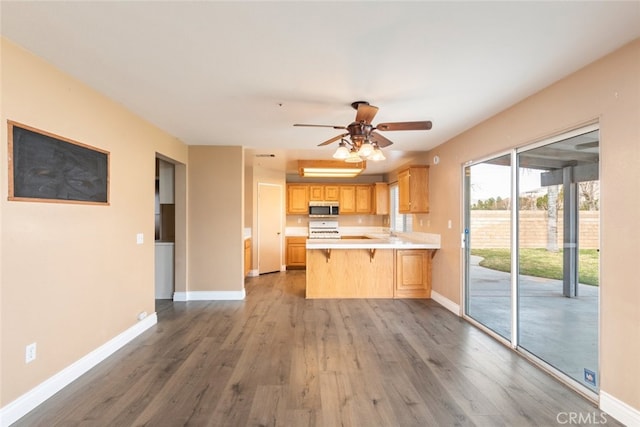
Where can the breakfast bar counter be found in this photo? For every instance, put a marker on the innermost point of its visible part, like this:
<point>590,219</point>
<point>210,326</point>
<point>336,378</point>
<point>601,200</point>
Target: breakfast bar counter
<point>376,241</point>
<point>375,266</point>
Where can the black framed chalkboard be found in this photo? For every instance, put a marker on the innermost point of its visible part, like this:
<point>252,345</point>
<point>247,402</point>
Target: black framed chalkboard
<point>49,168</point>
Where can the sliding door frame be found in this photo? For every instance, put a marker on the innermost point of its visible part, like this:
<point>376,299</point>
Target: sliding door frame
<point>465,246</point>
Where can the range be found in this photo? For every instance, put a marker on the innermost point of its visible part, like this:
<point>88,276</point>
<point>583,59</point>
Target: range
<point>327,229</point>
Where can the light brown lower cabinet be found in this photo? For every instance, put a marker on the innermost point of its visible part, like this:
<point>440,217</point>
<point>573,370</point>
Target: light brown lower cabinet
<point>413,273</point>
<point>369,273</point>
<point>247,257</point>
<point>296,252</point>
<point>349,273</point>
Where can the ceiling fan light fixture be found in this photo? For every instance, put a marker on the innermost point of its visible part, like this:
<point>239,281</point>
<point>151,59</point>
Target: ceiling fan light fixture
<point>366,149</point>
<point>363,142</point>
<point>353,157</point>
<point>342,152</point>
<point>377,155</point>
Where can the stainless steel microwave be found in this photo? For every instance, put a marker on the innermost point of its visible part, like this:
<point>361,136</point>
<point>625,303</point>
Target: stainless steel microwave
<point>323,209</point>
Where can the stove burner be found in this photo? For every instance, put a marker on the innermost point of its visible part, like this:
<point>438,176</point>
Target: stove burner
<point>324,230</point>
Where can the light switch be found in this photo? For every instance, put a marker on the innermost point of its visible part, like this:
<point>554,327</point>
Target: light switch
<point>140,238</point>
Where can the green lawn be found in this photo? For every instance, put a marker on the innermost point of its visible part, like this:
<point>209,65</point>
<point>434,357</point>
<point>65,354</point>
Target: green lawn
<point>541,263</point>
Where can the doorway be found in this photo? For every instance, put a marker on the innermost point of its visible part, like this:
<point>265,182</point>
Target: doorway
<point>270,203</point>
<point>178,172</point>
<point>165,226</point>
<point>532,253</point>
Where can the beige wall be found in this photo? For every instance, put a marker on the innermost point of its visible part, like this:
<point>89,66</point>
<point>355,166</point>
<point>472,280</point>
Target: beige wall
<point>215,218</point>
<point>72,276</point>
<point>607,91</point>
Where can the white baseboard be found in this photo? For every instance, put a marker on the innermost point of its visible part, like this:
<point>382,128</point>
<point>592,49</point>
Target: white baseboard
<point>446,303</point>
<point>34,397</point>
<point>619,410</point>
<point>209,296</point>
<point>253,273</point>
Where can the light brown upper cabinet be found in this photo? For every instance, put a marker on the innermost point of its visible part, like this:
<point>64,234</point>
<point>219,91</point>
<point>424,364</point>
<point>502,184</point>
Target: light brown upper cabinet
<point>380,203</point>
<point>363,199</point>
<point>352,198</point>
<point>324,193</point>
<point>347,199</point>
<point>297,199</point>
<point>413,190</point>
<point>331,193</point>
<point>355,199</point>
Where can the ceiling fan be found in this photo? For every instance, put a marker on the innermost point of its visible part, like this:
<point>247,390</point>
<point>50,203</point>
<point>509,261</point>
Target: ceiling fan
<point>364,140</point>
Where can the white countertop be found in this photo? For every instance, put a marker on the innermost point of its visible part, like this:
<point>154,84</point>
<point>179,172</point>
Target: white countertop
<point>380,241</point>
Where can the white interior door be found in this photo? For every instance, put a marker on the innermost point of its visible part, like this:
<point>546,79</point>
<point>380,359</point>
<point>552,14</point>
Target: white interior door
<point>269,227</point>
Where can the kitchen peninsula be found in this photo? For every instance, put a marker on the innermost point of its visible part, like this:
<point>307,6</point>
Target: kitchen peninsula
<point>374,266</point>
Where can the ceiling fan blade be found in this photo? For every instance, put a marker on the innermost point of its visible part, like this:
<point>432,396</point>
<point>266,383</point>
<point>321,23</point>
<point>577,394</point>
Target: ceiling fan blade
<point>426,125</point>
<point>366,113</point>
<point>380,140</point>
<point>335,138</point>
<point>320,126</point>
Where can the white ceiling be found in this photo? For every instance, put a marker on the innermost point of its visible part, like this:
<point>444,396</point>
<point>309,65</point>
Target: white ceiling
<point>242,73</point>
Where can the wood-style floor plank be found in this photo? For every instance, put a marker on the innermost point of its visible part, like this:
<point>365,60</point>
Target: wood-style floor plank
<point>277,359</point>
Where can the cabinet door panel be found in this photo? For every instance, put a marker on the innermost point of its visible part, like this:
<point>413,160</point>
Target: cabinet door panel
<point>297,199</point>
<point>404,193</point>
<point>413,190</point>
<point>347,199</point>
<point>296,251</point>
<point>413,273</point>
<point>331,193</point>
<point>316,193</point>
<point>419,187</point>
<point>247,257</point>
<point>380,204</point>
<point>363,199</point>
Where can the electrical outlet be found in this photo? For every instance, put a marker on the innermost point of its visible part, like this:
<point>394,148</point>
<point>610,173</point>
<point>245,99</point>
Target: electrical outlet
<point>140,238</point>
<point>30,353</point>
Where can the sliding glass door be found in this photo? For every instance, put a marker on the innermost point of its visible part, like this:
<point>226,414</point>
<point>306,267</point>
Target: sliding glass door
<point>488,244</point>
<point>558,257</point>
<point>532,255</point>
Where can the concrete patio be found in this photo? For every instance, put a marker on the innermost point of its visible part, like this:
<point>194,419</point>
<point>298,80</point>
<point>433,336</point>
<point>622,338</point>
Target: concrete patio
<point>562,331</point>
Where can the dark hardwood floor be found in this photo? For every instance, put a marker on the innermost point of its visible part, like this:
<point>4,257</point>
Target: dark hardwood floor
<point>277,359</point>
